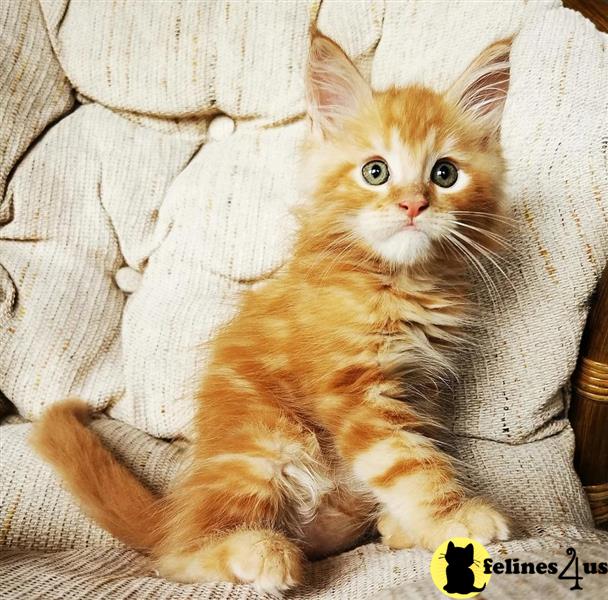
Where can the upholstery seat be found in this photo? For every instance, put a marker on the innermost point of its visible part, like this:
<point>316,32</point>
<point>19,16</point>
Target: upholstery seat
<point>148,168</point>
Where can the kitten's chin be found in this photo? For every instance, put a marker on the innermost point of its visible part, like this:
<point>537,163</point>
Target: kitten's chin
<point>406,247</point>
<point>391,239</point>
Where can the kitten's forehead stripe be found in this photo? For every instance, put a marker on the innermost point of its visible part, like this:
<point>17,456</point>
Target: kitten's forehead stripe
<point>402,158</point>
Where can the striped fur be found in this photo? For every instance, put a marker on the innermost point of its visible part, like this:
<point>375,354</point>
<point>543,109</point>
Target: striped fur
<point>318,412</point>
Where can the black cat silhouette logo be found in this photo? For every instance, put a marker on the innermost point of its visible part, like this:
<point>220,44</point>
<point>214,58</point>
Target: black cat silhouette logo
<point>458,572</point>
<point>457,568</point>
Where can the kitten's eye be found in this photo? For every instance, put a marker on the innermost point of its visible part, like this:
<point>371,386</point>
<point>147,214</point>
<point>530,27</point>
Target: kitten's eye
<point>375,172</point>
<point>444,174</point>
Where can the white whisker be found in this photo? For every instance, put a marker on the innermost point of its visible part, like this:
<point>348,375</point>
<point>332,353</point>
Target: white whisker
<point>487,215</point>
<point>487,253</point>
<point>478,266</point>
<point>499,239</point>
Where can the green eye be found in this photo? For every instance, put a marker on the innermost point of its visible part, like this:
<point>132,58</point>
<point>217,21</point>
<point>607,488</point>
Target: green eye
<point>444,174</point>
<point>375,172</point>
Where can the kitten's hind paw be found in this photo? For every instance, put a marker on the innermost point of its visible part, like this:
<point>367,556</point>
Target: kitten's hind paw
<point>264,558</point>
<point>392,532</point>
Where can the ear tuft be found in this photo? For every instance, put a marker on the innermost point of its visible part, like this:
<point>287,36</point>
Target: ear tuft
<point>336,91</point>
<point>481,91</point>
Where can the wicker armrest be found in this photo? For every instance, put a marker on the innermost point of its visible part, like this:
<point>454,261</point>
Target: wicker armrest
<point>589,408</point>
<point>594,10</point>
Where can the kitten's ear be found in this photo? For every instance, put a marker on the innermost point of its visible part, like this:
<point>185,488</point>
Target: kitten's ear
<point>482,89</point>
<point>450,546</point>
<point>335,90</point>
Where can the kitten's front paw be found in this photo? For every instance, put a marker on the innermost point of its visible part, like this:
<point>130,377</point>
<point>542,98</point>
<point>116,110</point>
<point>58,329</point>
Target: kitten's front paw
<point>474,518</point>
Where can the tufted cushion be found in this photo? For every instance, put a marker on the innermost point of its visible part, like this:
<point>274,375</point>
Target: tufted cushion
<point>134,216</point>
<point>120,183</point>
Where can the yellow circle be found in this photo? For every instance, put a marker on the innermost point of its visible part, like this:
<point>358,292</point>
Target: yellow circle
<point>458,570</point>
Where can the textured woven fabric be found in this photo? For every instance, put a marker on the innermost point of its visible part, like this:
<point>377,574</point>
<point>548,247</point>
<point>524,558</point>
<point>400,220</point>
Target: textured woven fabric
<point>33,93</point>
<point>371,571</point>
<point>34,89</point>
<point>56,552</point>
<point>131,218</point>
<point>130,178</point>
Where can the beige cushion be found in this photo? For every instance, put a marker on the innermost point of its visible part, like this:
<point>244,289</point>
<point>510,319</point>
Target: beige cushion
<point>371,571</point>
<point>198,217</point>
<point>130,224</point>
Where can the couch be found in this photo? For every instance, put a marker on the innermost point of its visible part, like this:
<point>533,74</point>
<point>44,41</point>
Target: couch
<point>148,168</point>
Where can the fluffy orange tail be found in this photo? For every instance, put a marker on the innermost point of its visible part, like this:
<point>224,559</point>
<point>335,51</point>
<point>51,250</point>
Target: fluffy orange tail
<point>106,489</point>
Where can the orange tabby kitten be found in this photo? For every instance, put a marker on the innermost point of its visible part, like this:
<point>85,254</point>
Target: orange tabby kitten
<point>314,421</point>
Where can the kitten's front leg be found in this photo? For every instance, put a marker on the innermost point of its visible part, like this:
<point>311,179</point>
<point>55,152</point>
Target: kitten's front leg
<point>423,502</point>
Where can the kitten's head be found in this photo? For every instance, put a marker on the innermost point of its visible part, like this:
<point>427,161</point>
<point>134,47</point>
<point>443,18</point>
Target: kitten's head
<point>407,174</point>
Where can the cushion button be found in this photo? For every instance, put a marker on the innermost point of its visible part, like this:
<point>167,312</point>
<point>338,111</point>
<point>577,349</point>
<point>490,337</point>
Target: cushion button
<point>220,127</point>
<point>128,279</point>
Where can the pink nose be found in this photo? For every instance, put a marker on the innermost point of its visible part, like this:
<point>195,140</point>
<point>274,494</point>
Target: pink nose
<point>414,205</point>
